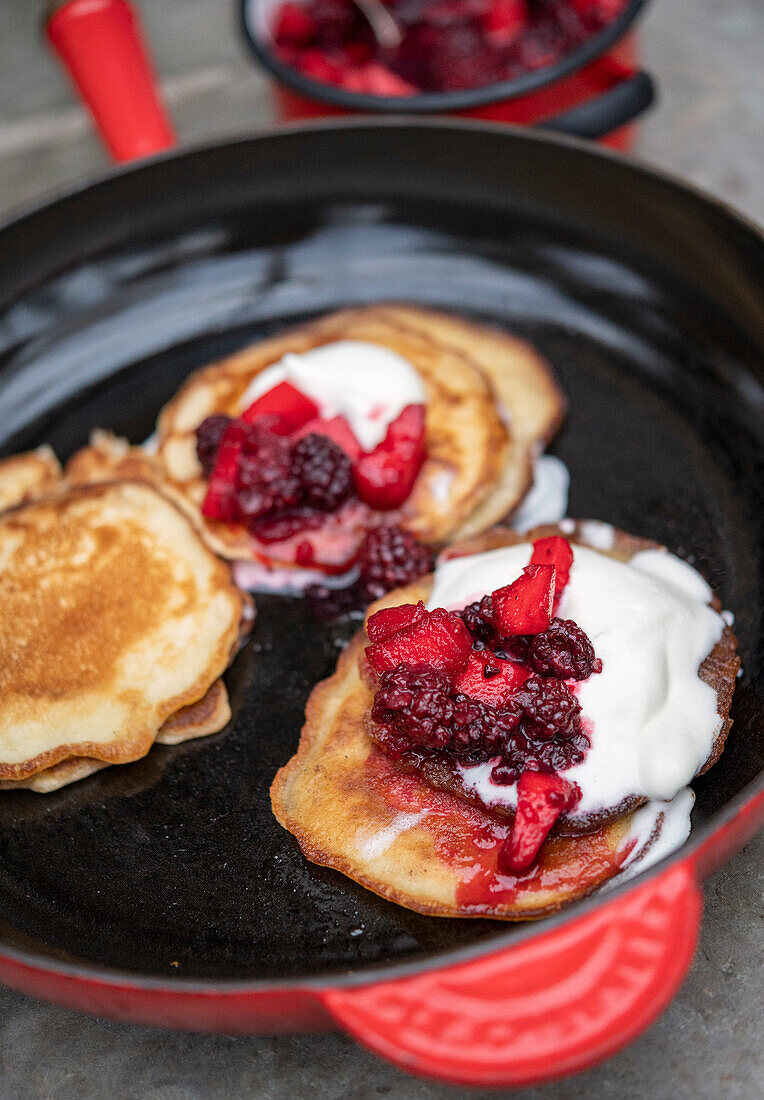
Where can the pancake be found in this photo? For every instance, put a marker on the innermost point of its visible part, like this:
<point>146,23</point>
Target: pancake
<point>471,456</point>
<point>200,719</point>
<point>110,457</point>
<point>418,837</point>
<point>115,616</point>
<point>353,809</point>
<point>27,475</point>
<point>528,396</point>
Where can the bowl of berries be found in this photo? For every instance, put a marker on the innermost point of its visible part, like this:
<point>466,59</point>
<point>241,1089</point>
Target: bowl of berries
<point>568,65</point>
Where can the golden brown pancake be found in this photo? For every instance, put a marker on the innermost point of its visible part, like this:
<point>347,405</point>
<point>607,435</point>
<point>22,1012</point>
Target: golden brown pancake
<point>353,809</point>
<point>200,719</point>
<point>27,475</point>
<point>115,616</point>
<point>475,468</point>
<point>528,396</point>
<point>416,838</point>
<point>110,457</point>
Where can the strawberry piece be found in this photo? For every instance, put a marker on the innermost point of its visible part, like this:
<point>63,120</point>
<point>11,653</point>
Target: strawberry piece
<point>541,798</point>
<point>294,25</point>
<point>319,66</point>
<point>558,552</point>
<point>385,476</point>
<point>525,606</point>
<point>497,687</point>
<point>285,406</point>
<point>376,79</point>
<point>335,428</point>
<point>219,501</point>
<point>439,640</point>
<point>505,19</point>
<point>392,620</point>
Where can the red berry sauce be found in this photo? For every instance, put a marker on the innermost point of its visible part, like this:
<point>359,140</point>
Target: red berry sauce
<point>469,842</point>
<point>446,45</point>
<point>309,496</point>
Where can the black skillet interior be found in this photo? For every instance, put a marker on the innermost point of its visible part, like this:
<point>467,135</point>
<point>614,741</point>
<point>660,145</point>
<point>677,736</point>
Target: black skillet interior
<point>640,294</point>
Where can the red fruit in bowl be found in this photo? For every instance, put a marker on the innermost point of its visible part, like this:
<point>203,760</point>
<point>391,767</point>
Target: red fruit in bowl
<point>285,406</point>
<point>525,606</point>
<point>439,640</point>
<point>489,679</point>
<point>376,79</point>
<point>294,26</point>
<point>392,620</point>
<point>558,552</point>
<point>505,19</point>
<point>335,428</point>
<point>541,798</point>
<point>220,501</point>
<point>318,66</point>
<point>385,476</point>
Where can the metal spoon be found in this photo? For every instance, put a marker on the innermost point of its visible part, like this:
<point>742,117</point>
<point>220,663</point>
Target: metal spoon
<point>383,26</point>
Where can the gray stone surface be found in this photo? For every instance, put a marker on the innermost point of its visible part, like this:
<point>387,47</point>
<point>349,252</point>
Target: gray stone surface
<point>707,55</point>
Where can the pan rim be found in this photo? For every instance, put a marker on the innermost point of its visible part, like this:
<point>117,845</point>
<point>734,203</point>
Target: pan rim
<point>16,215</point>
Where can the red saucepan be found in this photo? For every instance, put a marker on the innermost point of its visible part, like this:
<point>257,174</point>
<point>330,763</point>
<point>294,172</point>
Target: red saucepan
<point>596,90</point>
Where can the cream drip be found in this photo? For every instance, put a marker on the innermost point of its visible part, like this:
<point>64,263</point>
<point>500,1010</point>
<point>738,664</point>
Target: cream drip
<point>368,384</point>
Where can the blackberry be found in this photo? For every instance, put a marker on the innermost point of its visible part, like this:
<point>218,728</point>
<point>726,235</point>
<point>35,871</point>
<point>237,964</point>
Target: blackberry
<point>417,704</point>
<point>554,755</point>
<point>550,709</point>
<point>264,479</point>
<point>323,471</point>
<point>478,618</point>
<point>326,604</point>
<point>563,650</point>
<point>390,557</point>
<point>208,436</point>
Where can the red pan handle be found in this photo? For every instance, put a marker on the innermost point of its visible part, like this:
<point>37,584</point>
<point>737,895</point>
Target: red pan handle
<point>552,1005</point>
<point>102,48</point>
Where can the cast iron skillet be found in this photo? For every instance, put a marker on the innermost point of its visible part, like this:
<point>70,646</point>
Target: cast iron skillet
<point>170,876</point>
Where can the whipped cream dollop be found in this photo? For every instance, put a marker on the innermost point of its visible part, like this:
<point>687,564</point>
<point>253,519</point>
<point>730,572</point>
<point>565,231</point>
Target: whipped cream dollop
<point>370,385</point>
<point>651,720</point>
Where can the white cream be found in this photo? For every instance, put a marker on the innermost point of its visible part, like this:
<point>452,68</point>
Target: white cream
<point>254,576</point>
<point>547,499</point>
<point>372,845</point>
<point>657,829</point>
<point>653,721</point>
<point>368,384</point>
<point>599,535</point>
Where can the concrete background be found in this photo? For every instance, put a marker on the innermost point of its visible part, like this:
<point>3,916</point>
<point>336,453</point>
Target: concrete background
<point>706,55</point>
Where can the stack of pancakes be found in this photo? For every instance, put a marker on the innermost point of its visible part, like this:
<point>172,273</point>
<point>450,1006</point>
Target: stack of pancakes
<point>118,616</point>
<point>492,405</point>
<point>117,624</point>
<point>417,837</point>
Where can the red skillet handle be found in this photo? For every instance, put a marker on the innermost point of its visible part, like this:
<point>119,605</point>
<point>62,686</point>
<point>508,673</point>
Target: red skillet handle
<point>102,48</point>
<point>553,1005</point>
